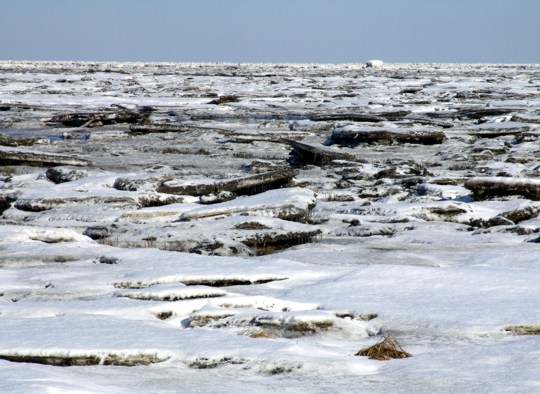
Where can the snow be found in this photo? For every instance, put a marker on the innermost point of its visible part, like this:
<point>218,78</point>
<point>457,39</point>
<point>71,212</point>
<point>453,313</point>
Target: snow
<point>374,63</point>
<point>390,241</point>
<point>281,202</point>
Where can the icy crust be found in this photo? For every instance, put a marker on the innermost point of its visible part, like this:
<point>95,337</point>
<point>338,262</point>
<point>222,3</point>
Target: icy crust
<point>144,339</point>
<point>484,187</point>
<point>354,135</point>
<point>291,203</point>
<point>246,225</point>
<point>280,324</point>
<point>242,235</point>
<point>21,235</point>
<point>162,214</point>
<point>11,155</point>
<point>96,187</point>
<point>172,293</point>
<point>477,214</point>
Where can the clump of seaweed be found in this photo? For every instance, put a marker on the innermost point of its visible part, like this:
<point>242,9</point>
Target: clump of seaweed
<point>385,349</point>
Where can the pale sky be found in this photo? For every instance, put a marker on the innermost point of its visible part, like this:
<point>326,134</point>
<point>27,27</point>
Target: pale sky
<point>331,31</point>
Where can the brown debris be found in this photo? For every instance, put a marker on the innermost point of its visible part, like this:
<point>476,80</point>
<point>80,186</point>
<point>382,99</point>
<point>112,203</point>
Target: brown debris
<point>262,334</point>
<point>523,329</point>
<point>385,349</point>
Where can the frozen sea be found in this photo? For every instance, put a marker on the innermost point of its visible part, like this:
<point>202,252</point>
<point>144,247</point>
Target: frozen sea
<point>195,228</point>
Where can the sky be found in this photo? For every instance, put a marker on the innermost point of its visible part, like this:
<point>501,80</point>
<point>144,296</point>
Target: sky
<point>301,31</point>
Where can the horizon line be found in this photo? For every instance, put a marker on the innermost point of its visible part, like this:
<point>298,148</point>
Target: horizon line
<point>256,63</point>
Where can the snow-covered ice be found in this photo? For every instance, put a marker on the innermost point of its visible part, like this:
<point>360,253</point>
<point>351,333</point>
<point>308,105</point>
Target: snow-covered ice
<point>147,245</point>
